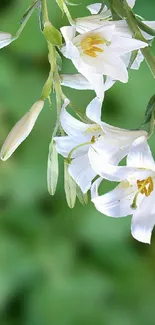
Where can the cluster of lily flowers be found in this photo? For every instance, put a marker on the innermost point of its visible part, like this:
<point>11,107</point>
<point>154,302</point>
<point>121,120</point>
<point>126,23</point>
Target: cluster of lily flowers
<point>101,50</point>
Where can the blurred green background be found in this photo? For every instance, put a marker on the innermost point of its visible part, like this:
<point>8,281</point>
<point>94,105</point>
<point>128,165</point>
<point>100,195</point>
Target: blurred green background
<point>60,266</point>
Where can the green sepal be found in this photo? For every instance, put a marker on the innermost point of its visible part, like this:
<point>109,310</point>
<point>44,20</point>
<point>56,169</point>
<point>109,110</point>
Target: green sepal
<point>52,34</point>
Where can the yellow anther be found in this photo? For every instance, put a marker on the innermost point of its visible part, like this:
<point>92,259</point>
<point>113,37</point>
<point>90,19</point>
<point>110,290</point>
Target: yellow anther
<point>90,53</point>
<point>87,45</point>
<point>145,186</point>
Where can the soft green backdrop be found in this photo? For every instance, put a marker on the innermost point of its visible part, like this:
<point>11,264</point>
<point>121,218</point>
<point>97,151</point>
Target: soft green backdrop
<point>60,266</point>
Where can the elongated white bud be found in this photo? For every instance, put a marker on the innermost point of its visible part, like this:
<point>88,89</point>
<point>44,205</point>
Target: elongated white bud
<point>21,130</point>
<point>5,39</point>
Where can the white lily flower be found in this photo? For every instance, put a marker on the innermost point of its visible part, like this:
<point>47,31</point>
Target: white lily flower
<point>98,136</point>
<point>136,193</point>
<point>21,130</point>
<point>99,52</point>
<point>86,24</point>
<point>5,39</point>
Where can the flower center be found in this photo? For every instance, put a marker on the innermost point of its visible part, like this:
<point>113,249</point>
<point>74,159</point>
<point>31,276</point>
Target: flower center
<point>88,45</point>
<point>95,128</point>
<point>145,186</point>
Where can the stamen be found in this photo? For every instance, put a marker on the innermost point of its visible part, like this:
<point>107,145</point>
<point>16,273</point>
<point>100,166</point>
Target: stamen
<point>87,45</point>
<point>145,186</point>
<point>90,53</point>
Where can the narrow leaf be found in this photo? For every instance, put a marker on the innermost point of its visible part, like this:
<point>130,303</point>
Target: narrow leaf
<point>60,4</point>
<point>149,110</point>
<point>30,10</point>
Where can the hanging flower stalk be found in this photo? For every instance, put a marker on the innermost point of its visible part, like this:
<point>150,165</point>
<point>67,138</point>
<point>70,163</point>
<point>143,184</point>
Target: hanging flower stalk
<point>103,47</point>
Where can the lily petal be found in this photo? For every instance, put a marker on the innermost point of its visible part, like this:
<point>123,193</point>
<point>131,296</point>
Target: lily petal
<point>143,220</point>
<point>94,187</point>
<point>82,172</point>
<point>69,50</point>
<point>75,81</point>
<point>65,144</point>
<point>150,24</point>
<point>122,45</point>
<point>93,110</point>
<point>101,164</point>
<point>137,62</point>
<point>109,65</point>
<point>73,127</point>
<point>95,8</point>
<point>140,155</point>
<point>96,80</point>
<point>131,3</point>
<point>5,39</point>
<point>116,203</point>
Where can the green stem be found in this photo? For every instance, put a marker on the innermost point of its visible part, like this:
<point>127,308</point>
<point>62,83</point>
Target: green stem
<point>151,125</point>
<point>132,23</point>
<point>77,147</point>
<point>67,12</point>
<point>44,11</point>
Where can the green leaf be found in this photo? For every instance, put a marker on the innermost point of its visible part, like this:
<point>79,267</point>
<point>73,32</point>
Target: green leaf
<point>52,169</point>
<point>149,110</point>
<point>60,4</point>
<point>70,187</point>
<point>30,9</point>
<point>52,34</point>
<point>26,16</point>
<point>83,198</point>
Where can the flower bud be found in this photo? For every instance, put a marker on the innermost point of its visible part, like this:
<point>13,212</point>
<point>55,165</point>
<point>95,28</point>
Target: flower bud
<point>52,169</point>
<point>5,39</point>
<point>69,186</point>
<point>21,130</point>
<point>52,34</point>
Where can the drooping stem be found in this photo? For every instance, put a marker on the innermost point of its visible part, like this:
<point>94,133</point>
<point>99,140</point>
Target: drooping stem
<point>132,23</point>
<point>44,11</point>
<point>77,147</point>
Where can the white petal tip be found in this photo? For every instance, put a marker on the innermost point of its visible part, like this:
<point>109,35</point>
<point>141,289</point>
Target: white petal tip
<point>141,235</point>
